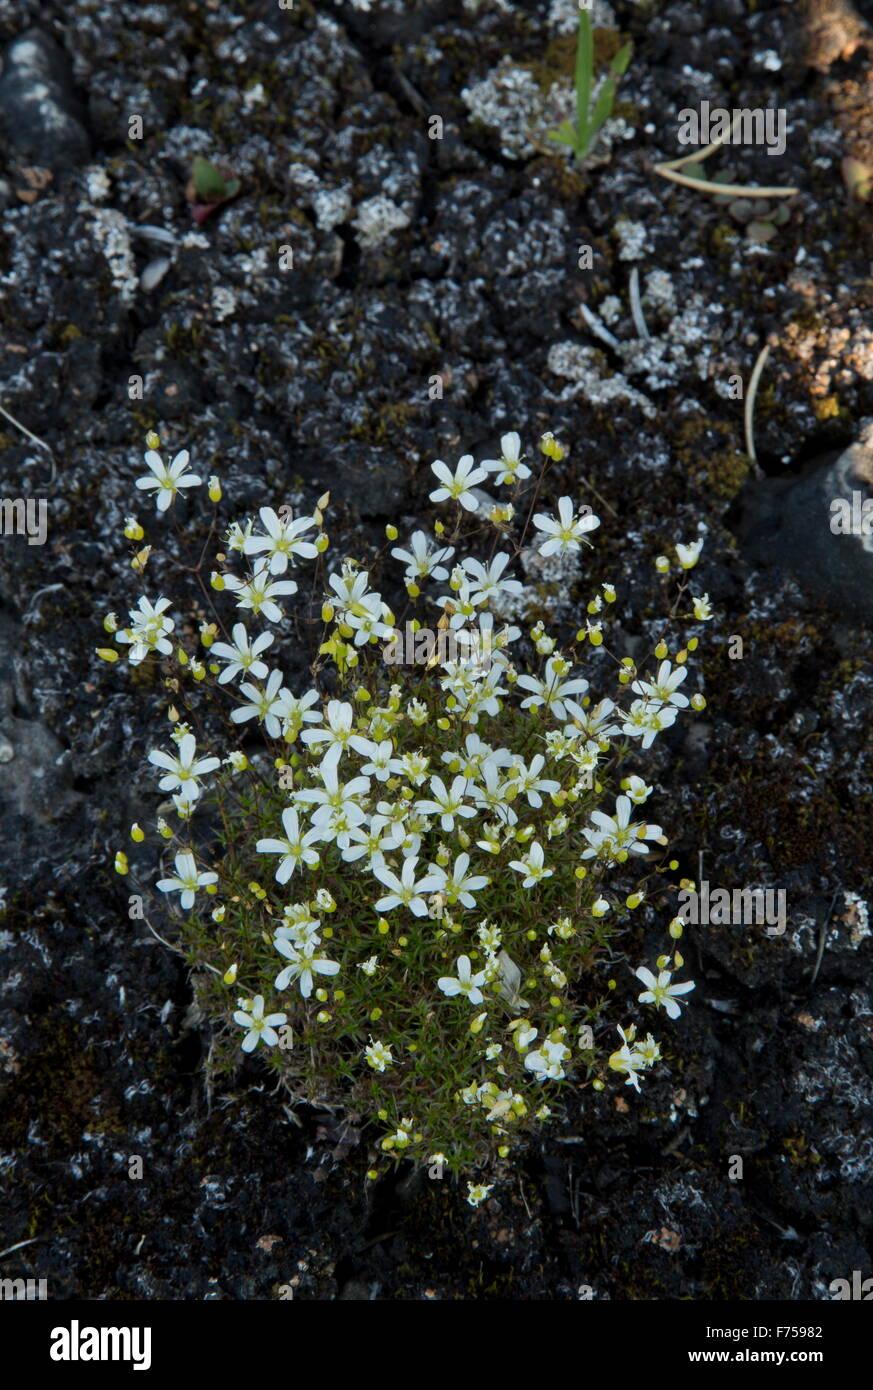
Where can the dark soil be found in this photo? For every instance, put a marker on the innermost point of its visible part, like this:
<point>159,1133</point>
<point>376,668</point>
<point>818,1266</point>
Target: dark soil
<point>287,383</point>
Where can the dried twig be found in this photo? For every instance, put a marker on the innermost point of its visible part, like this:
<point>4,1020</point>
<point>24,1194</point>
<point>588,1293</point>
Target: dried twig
<point>734,190</point>
<point>668,170</point>
<point>752,392</point>
<point>824,935</point>
<point>599,329</point>
<point>601,499</point>
<point>40,443</point>
<point>636,304</point>
<point>20,1246</point>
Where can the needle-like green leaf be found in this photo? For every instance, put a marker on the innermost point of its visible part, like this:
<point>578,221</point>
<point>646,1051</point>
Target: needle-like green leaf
<point>584,75</point>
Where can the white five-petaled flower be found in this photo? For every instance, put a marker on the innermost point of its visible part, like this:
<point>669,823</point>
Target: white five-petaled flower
<point>593,722</point>
<point>303,965</point>
<point>372,840</point>
<point>381,761</point>
<point>260,591</point>
<point>361,607</point>
<point>403,891</point>
<point>648,718</point>
<point>378,1055</point>
<point>688,555</point>
<point>269,706</point>
<point>369,619</point>
<point>148,630</point>
<point>351,587</point>
<point>182,771</point>
<point>294,848</point>
<point>422,562</point>
<point>283,541</point>
<point>666,687</point>
<point>529,781</point>
<point>337,804</point>
<point>532,866</point>
<point>447,803</point>
<point>551,689</point>
<point>486,583</point>
<point>475,755</point>
<point>243,655</point>
<point>166,480</point>
<point>299,712</point>
<point>458,886</point>
<point>566,532</point>
<point>702,608</point>
<point>649,1050</point>
<point>413,767</point>
<point>616,833</point>
<point>460,604</point>
<point>187,880</point>
<point>660,992</point>
<point>466,982</point>
<point>338,732</point>
<point>509,467</point>
<point>477,1192</point>
<point>547,1061</point>
<point>260,1028</point>
<point>457,485</point>
<point>632,1058</point>
<point>300,930</point>
<point>637,790</point>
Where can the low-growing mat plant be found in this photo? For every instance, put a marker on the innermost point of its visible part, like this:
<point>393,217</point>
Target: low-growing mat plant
<point>403,884</point>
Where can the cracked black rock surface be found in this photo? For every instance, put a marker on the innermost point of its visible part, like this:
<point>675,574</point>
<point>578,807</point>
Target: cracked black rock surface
<point>413,258</point>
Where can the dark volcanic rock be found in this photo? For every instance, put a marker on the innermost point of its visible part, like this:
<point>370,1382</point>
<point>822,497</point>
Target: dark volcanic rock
<point>819,527</point>
<point>418,259</point>
<point>41,118</point>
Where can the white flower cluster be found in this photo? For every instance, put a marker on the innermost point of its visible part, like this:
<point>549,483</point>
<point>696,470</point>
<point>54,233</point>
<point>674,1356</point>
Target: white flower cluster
<point>426,836</point>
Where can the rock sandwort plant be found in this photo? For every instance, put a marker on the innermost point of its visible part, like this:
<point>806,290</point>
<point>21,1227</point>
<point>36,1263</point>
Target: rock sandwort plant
<point>403,892</point>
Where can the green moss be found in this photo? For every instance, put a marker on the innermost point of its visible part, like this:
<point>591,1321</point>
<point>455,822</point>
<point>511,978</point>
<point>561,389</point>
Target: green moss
<point>723,238</point>
<point>806,320</point>
<point>717,465</point>
<point>800,1153</point>
<point>60,1087</point>
<point>184,338</point>
<point>558,60</point>
<point>828,408</point>
<point>727,472</point>
<point>607,43</point>
<point>559,57</point>
<point>384,424</point>
<point>566,179</point>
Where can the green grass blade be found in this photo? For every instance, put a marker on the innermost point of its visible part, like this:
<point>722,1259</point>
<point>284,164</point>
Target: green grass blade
<point>603,105</point>
<point>565,134</point>
<point>618,66</point>
<point>584,77</point>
